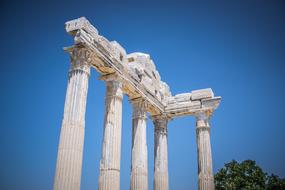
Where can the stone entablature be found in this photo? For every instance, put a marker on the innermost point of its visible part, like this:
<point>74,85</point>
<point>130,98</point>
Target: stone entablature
<point>138,72</point>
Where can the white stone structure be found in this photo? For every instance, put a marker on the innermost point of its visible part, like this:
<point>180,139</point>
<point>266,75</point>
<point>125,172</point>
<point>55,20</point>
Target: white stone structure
<point>70,149</point>
<point>205,169</point>
<point>135,75</point>
<point>160,153</point>
<point>111,150</point>
<point>139,170</point>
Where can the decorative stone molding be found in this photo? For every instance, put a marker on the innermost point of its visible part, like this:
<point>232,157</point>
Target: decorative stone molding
<point>140,107</point>
<point>202,120</point>
<point>160,124</point>
<point>80,59</point>
<point>114,86</point>
<point>161,130</point>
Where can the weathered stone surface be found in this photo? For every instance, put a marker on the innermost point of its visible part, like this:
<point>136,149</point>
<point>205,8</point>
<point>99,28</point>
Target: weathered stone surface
<point>164,92</point>
<point>180,105</point>
<point>184,97</point>
<point>143,68</point>
<point>211,103</point>
<point>201,94</point>
<point>70,148</point>
<point>80,23</point>
<point>139,167</point>
<point>119,52</point>
<point>111,147</point>
<point>205,168</point>
<point>160,153</point>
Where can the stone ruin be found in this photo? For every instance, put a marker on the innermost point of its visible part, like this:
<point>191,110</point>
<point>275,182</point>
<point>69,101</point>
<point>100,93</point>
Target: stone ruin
<point>136,76</point>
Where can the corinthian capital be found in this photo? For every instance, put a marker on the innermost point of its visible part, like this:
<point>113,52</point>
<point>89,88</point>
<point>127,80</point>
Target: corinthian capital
<point>202,119</point>
<point>140,107</point>
<point>160,124</point>
<point>114,85</point>
<point>160,120</point>
<point>80,59</point>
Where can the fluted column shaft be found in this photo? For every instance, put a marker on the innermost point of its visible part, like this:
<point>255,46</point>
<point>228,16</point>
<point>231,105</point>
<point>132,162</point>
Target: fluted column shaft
<point>111,146</point>
<point>205,168</point>
<point>139,168</point>
<point>70,149</point>
<point>160,154</point>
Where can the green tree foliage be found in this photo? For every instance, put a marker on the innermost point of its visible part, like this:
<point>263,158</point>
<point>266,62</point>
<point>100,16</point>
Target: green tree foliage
<point>246,176</point>
<point>275,183</point>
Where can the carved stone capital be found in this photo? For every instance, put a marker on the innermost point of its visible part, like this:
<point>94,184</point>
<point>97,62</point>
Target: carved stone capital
<point>160,124</point>
<point>80,59</point>
<point>140,107</point>
<point>202,120</point>
<point>161,129</point>
<point>114,89</point>
<point>160,120</point>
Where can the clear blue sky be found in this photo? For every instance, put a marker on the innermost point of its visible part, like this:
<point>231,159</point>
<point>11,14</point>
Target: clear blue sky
<point>235,47</point>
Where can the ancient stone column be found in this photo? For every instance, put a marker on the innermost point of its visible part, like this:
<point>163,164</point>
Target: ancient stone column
<point>139,170</point>
<point>70,149</point>
<point>205,168</point>
<point>160,153</point>
<point>111,146</point>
